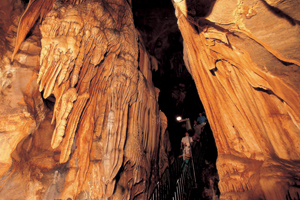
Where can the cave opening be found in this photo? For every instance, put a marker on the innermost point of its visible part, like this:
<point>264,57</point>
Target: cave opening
<point>157,23</point>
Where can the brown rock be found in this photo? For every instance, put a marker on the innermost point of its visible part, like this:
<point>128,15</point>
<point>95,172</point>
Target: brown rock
<point>105,127</point>
<point>241,70</point>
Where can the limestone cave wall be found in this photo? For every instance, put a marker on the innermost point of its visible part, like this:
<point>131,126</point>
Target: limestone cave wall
<point>79,114</point>
<point>244,58</point>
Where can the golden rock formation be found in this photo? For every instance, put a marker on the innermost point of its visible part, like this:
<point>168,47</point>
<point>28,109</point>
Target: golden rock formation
<point>83,122</point>
<point>245,76</point>
<point>79,117</point>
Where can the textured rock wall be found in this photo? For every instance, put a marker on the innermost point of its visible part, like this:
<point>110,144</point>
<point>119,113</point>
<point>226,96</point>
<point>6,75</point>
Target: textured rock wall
<point>244,59</point>
<point>80,118</point>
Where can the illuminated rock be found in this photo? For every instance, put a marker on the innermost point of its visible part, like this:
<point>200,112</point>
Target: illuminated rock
<point>95,133</point>
<point>244,59</point>
<point>79,114</point>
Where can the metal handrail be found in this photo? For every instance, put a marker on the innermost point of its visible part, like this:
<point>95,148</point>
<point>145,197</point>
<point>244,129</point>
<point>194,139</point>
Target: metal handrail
<point>167,182</point>
<point>176,183</point>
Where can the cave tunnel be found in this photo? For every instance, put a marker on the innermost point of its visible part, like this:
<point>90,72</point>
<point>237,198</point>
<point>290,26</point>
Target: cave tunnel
<point>156,21</point>
<point>90,92</point>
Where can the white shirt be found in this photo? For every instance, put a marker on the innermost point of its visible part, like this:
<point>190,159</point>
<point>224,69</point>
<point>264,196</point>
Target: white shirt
<point>185,140</point>
<point>186,143</point>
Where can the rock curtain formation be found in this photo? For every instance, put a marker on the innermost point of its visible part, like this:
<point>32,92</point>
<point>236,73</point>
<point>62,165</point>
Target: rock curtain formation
<point>244,59</point>
<point>79,114</point>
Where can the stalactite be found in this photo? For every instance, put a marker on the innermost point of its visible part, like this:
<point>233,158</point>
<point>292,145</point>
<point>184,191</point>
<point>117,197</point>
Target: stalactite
<point>93,125</point>
<point>34,10</point>
<point>94,77</point>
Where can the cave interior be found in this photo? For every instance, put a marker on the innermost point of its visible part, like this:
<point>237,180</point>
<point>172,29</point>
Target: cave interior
<point>90,92</point>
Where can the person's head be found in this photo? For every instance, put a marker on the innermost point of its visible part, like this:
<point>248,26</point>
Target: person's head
<point>195,121</point>
<point>200,114</point>
<point>186,133</point>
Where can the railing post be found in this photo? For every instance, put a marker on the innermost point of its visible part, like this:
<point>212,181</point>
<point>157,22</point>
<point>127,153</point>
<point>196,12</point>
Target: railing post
<point>177,190</point>
<point>181,189</point>
<point>158,190</point>
<point>173,183</point>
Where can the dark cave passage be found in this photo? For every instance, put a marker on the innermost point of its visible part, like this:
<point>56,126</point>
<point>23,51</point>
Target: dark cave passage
<point>178,96</point>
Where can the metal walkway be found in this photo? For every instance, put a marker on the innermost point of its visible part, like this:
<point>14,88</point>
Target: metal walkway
<point>179,179</point>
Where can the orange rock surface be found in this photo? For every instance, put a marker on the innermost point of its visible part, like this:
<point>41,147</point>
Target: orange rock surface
<point>80,117</point>
<point>244,59</point>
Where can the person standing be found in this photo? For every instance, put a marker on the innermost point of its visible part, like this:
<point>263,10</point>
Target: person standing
<point>201,119</point>
<point>195,123</point>
<point>186,143</point>
<point>198,130</point>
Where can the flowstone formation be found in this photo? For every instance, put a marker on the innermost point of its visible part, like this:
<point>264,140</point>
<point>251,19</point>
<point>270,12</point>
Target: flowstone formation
<point>79,114</point>
<point>244,58</point>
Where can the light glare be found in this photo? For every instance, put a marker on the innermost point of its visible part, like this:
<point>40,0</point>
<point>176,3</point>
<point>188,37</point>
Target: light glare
<point>178,118</point>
